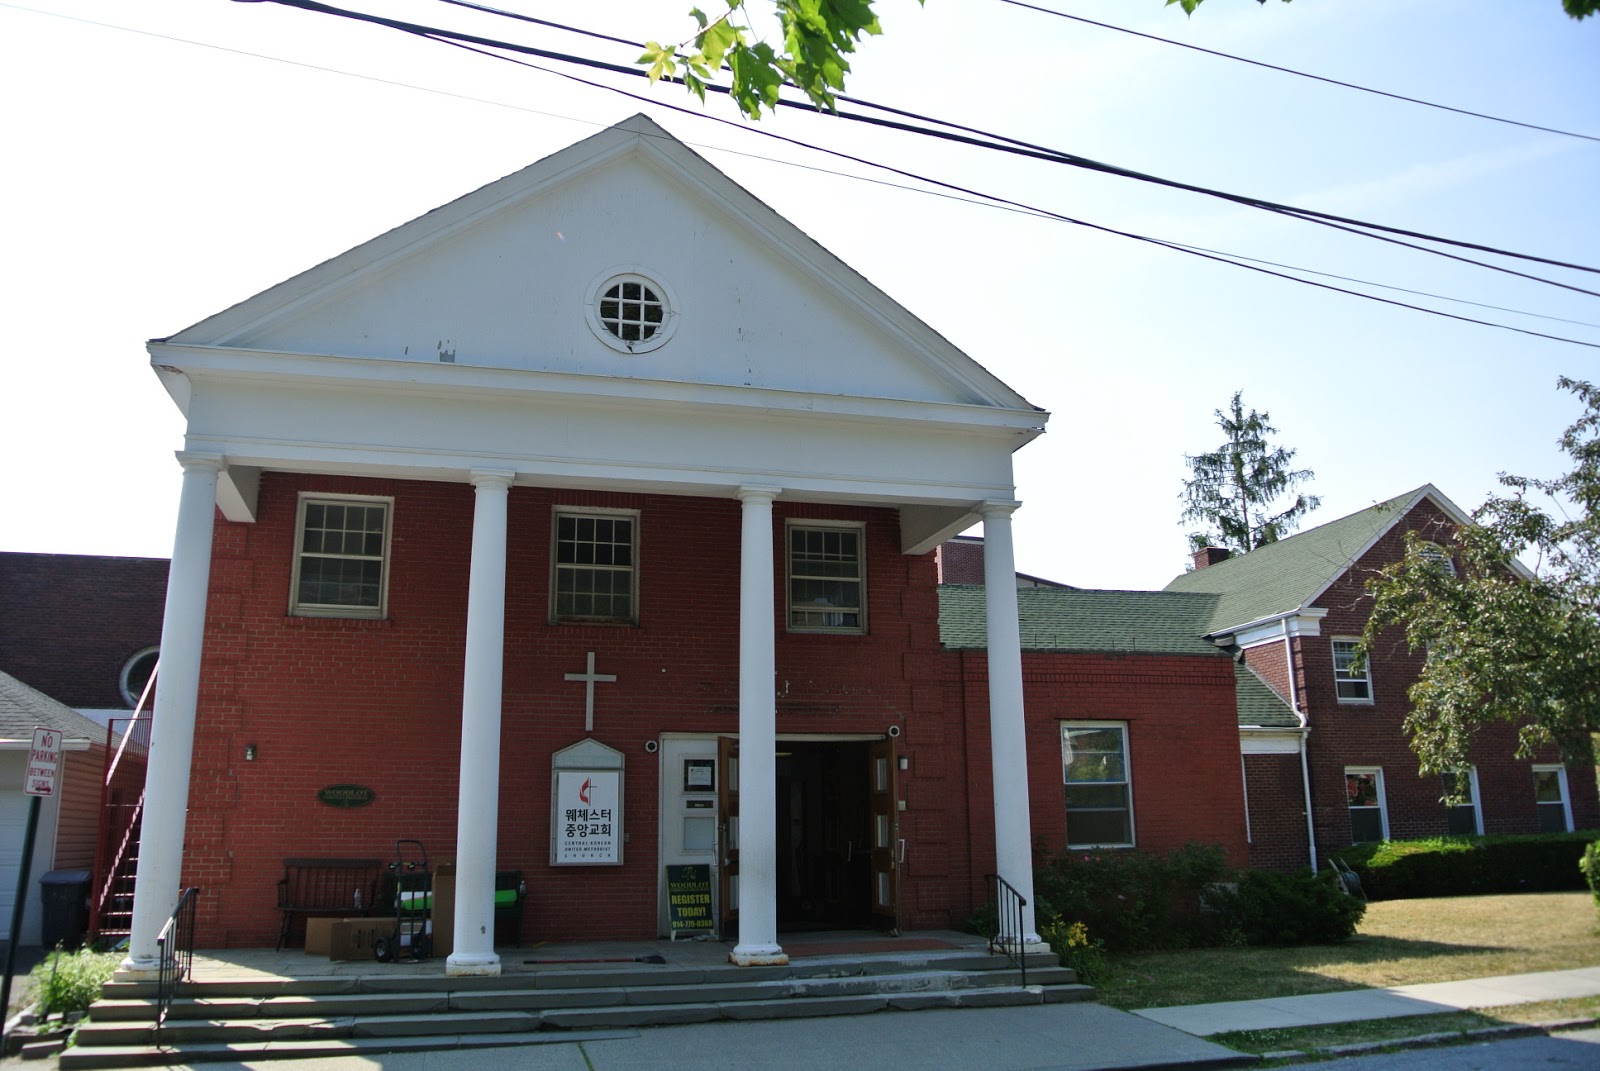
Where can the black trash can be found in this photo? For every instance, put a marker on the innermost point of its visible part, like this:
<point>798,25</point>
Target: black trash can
<point>66,908</point>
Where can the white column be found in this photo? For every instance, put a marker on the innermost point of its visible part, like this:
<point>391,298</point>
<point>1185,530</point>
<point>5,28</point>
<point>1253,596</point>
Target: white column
<point>478,812</point>
<point>1013,829</point>
<point>166,779</point>
<point>758,744</point>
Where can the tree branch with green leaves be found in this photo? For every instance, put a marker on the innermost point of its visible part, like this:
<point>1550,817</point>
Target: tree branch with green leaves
<point>1237,488</point>
<point>1502,642</point>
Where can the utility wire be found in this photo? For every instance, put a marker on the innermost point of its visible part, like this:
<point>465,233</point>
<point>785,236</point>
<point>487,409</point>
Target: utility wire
<point>989,140</point>
<point>1291,70</point>
<point>975,198</point>
<point>452,40</point>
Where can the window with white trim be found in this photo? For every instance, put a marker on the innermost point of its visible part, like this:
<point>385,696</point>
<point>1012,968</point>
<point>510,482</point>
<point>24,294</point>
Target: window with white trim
<point>1352,678</point>
<point>827,577</point>
<point>341,567</point>
<point>1550,796</point>
<point>1094,769</point>
<point>1464,818</point>
<point>1369,817</point>
<point>631,312</point>
<point>594,567</point>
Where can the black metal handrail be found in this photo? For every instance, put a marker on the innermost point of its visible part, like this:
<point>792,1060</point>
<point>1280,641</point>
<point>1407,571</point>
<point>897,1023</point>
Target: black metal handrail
<point>1008,936</point>
<point>175,949</point>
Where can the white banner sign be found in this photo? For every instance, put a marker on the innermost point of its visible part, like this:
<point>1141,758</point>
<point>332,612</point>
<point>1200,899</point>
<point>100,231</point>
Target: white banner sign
<point>44,763</point>
<point>588,817</point>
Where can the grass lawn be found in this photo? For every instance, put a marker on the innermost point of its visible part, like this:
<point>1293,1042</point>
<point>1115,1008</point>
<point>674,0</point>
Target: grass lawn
<point>1399,942</point>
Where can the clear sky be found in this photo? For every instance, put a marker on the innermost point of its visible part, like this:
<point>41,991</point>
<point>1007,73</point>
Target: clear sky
<point>168,158</point>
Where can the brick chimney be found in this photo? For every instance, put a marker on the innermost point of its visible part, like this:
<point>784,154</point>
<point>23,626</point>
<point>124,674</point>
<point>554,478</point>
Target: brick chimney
<point>1211,556</point>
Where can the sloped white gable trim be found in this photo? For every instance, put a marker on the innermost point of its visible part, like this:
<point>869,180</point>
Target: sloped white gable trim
<point>676,163</point>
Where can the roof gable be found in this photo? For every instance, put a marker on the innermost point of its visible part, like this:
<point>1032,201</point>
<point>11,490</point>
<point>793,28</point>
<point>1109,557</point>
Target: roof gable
<point>502,277</point>
<point>1284,577</point>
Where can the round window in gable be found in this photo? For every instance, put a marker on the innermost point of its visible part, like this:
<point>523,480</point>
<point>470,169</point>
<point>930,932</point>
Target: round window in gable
<point>632,312</point>
<point>136,674</point>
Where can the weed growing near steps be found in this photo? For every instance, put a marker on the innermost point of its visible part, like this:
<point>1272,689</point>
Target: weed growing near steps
<point>71,981</point>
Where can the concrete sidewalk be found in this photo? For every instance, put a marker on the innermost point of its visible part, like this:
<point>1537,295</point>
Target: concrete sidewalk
<point>1356,1005</point>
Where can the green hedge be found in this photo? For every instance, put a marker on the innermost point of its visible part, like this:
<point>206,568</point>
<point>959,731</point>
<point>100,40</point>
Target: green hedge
<point>1469,866</point>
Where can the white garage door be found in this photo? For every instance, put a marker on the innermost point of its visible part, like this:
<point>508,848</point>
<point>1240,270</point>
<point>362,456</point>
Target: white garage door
<point>13,826</point>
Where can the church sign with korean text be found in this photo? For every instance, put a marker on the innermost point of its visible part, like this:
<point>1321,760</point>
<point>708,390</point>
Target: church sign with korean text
<point>586,825</point>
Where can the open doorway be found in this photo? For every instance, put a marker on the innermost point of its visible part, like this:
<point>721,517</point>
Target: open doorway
<point>824,822</point>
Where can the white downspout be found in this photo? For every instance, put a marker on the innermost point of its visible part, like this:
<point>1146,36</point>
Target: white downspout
<point>1305,768</point>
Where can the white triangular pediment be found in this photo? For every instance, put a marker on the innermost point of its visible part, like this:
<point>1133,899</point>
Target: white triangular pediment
<point>505,278</point>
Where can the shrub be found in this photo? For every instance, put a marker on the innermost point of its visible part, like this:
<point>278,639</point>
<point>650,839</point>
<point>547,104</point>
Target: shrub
<point>1590,865</point>
<point>1076,949</point>
<point>1270,908</point>
<point>1469,866</point>
<point>71,981</point>
<point>1132,900</point>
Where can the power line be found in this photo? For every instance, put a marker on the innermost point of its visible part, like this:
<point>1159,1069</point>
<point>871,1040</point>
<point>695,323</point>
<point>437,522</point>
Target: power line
<point>982,139</point>
<point>1299,74</point>
<point>974,197</point>
<point>995,199</point>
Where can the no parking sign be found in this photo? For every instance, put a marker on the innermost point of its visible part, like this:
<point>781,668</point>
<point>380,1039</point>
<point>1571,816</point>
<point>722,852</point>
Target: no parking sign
<point>44,763</point>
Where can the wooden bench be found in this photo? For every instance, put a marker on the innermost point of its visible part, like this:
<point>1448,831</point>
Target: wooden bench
<point>343,887</point>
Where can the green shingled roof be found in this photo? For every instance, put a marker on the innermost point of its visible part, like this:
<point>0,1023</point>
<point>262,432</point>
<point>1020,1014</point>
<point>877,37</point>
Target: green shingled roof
<point>1072,619</point>
<point>1281,577</point>
<point>1258,704</point>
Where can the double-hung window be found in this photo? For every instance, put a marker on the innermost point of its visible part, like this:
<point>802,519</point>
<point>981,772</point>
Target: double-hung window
<point>1550,796</point>
<point>1352,680</point>
<point>595,571</point>
<point>1369,819</point>
<point>342,557</point>
<point>1464,818</point>
<point>827,578</point>
<point>1094,767</point>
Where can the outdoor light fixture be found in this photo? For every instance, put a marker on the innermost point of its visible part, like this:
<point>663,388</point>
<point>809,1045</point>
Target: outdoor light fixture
<point>249,753</point>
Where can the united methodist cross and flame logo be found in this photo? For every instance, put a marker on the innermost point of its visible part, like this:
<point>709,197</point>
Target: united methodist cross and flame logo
<point>583,790</point>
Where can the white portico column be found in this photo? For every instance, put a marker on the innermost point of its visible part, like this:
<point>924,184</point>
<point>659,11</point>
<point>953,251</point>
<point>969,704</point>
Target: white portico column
<point>1013,829</point>
<point>758,745</point>
<point>478,812</point>
<point>166,779</point>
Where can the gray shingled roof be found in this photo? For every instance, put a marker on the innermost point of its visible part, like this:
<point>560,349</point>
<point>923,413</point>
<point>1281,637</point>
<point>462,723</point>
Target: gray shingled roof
<point>23,709</point>
<point>1258,704</point>
<point>1281,577</point>
<point>1072,619</point>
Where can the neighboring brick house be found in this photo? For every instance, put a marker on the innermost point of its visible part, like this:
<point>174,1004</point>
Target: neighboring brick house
<point>83,629</point>
<point>1296,609</point>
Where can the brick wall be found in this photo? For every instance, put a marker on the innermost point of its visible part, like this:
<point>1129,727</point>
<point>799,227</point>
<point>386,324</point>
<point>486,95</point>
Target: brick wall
<point>1277,813</point>
<point>68,622</point>
<point>378,703</point>
<point>1183,746</point>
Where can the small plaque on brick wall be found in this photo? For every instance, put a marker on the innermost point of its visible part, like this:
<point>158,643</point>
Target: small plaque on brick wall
<point>346,795</point>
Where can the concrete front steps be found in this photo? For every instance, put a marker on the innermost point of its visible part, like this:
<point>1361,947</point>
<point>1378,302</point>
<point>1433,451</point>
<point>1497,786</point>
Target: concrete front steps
<point>377,1013</point>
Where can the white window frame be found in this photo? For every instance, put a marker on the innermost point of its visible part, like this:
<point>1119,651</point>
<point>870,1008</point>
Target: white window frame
<point>555,565</point>
<point>1471,775</point>
<point>369,613</point>
<point>632,273</point>
<point>1383,801</point>
<point>790,609</point>
<point>1347,677</point>
<point>1126,782</point>
<point>1566,797</point>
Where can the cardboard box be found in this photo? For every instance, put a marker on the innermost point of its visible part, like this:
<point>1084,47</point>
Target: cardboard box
<point>444,907</point>
<point>319,933</point>
<point>353,938</point>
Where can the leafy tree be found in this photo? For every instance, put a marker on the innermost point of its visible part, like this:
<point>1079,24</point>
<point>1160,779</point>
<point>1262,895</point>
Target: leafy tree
<point>1505,643</point>
<point>1236,487</point>
<point>818,35</point>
